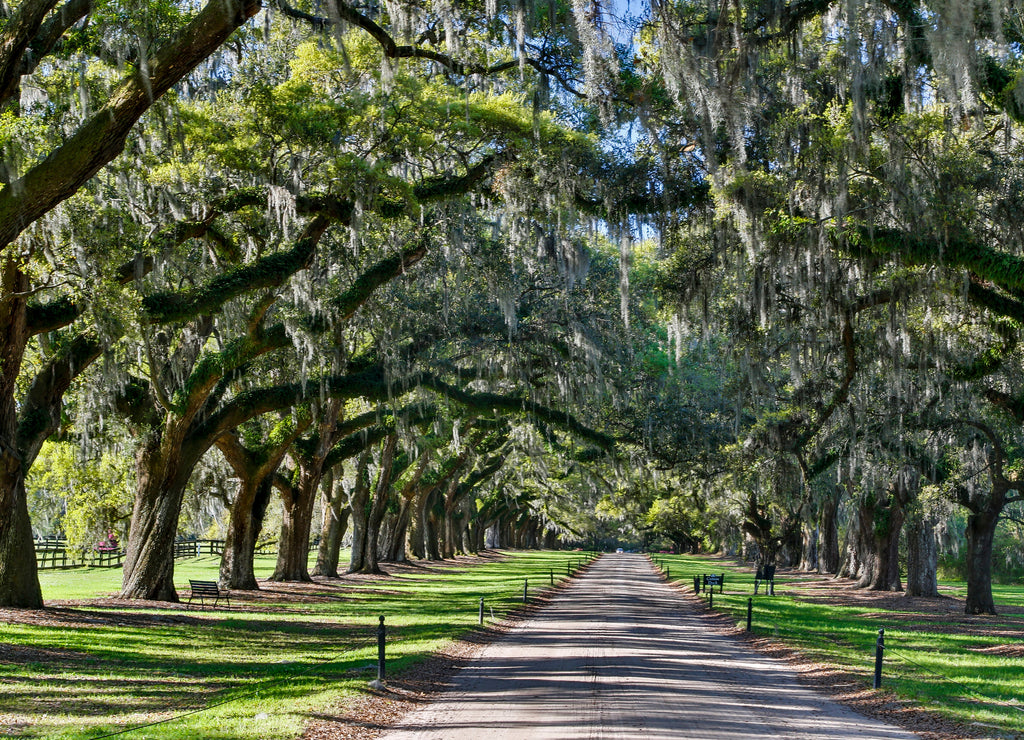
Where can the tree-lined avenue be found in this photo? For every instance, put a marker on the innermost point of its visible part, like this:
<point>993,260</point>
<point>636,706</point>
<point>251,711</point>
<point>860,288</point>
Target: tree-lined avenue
<point>620,654</point>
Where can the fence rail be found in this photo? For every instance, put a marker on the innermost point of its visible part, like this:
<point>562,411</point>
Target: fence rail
<point>52,554</point>
<point>196,548</point>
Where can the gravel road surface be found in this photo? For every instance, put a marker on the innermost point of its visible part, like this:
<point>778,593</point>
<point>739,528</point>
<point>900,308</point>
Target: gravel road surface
<point>619,654</point>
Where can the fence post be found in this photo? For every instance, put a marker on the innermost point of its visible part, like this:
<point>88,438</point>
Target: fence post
<point>481,610</point>
<point>526,586</point>
<point>552,576</point>
<point>711,598</point>
<point>696,584</point>
<point>879,651</point>
<point>668,574</point>
<point>750,612</point>
<point>381,634</point>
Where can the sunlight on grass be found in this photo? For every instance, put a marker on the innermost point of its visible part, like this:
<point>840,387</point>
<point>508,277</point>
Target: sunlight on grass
<point>937,662</point>
<point>276,660</point>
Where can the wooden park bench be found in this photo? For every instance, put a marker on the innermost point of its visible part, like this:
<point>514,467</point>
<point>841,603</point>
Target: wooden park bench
<point>765,573</point>
<point>207,590</point>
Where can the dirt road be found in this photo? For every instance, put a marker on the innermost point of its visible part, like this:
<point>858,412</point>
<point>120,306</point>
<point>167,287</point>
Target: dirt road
<point>619,654</point>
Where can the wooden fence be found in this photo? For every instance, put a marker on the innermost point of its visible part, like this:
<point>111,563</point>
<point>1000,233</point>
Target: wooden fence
<point>52,553</point>
<point>197,548</point>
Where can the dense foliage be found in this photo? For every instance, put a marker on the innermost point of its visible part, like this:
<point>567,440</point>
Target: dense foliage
<point>737,275</point>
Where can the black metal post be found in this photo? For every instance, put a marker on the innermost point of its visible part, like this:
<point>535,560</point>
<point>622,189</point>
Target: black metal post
<point>381,633</point>
<point>668,574</point>
<point>879,651</point>
<point>526,586</point>
<point>750,612</point>
<point>568,568</point>
<point>552,576</point>
<point>481,610</point>
<point>711,598</point>
<point>696,584</point>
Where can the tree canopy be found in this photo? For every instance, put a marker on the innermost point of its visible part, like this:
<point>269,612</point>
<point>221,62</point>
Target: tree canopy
<point>730,275</point>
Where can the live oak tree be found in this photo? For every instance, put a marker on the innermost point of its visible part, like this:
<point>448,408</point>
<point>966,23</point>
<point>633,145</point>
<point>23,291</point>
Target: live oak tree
<point>823,148</point>
<point>145,64</point>
<point>40,176</point>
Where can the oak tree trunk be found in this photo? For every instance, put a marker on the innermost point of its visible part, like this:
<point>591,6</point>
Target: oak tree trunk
<point>293,543</point>
<point>808,548</point>
<point>19,578</point>
<point>164,466</point>
<point>880,529</point>
<point>359,504</point>
<point>379,507</point>
<point>333,525</point>
<point>244,527</point>
<point>922,557</point>
<point>396,546</point>
<point>828,531</point>
<point>981,529</point>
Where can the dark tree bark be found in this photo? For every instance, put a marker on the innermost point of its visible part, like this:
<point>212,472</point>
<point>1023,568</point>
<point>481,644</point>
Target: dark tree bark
<point>237,563</point>
<point>312,457</point>
<point>377,508</point>
<point>922,556</point>
<point>880,523</point>
<point>828,529</point>
<point>432,525</point>
<point>396,528</point>
<point>293,542</point>
<point>334,523</point>
<point>882,516</point>
<point>985,512</point>
<point>19,580</point>
<point>857,548</point>
<point>164,465</point>
<point>299,501</point>
<point>394,545</point>
<point>448,548</point>
<point>981,528</point>
<point>808,547</point>
<point>359,503</point>
<point>255,469</point>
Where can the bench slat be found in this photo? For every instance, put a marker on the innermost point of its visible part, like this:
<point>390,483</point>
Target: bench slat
<point>204,589</point>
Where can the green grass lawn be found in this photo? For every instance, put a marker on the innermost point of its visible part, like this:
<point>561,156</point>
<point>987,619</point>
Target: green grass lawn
<point>258,669</point>
<point>969,668</point>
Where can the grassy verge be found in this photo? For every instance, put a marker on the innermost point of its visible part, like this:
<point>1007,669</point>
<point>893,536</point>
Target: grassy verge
<point>967,668</point>
<point>84,668</point>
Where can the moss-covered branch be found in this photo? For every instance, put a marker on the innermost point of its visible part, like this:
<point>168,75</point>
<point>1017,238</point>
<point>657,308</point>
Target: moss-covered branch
<point>994,301</point>
<point>487,402</point>
<point>102,136</point>
<point>1000,268</point>
<point>269,272</point>
<point>381,273</point>
<point>17,33</point>
<point>56,314</point>
<point>213,367</point>
<point>40,411</point>
<point>1014,406</point>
